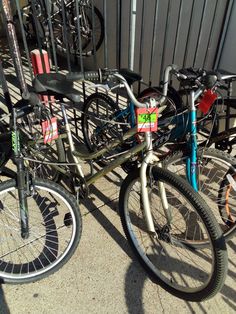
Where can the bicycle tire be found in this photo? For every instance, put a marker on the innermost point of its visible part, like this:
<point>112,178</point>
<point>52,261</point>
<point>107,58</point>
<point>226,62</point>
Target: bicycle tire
<point>173,102</point>
<point>223,140</point>
<point>56,153</point>
<point>213,168</point>
<point>34,148</point>
<point>48,248</point>
<point>97,133</point>
<point>164,268</point>
<point>87,43</point>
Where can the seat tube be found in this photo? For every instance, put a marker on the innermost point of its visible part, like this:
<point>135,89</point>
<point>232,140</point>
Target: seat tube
<point>70,140</point>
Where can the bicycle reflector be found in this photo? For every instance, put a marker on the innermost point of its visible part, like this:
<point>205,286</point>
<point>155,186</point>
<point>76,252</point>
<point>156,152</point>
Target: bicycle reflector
<point>147,119</point>
<point>207,101</point>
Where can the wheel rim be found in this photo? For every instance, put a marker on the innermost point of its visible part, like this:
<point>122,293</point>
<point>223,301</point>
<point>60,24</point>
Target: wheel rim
<point>190,271</point>
<point>214,187</point>
<point>50,239</point>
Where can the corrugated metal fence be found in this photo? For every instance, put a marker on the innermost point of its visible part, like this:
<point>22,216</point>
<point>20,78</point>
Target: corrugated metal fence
<point>144,35</point>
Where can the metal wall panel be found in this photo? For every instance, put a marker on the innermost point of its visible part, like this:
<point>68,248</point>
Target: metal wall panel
<point>184,32</point>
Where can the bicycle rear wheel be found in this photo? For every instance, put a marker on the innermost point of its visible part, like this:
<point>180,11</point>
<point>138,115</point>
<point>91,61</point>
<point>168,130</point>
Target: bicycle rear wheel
<point>55,226</point>
<point>91,30</point>
<point>216,177</point>
<point>41,155</point>
<point>171,258</point>
<point>99,113</point>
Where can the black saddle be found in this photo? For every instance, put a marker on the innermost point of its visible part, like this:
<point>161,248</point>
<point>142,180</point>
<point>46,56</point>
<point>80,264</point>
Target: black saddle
<point>54,84</point>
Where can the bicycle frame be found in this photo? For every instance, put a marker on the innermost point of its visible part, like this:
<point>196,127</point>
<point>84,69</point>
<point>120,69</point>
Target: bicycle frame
<point>187,125</point>
<point>149,159</point>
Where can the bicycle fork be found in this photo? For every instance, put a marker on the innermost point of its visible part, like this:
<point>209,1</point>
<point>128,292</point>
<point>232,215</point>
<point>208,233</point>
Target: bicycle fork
<point>21,180</point>
<point>150,159</point>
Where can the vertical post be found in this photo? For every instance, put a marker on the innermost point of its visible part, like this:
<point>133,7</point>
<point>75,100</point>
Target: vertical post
<point>14,47</point>
<point>118,34</point>
<point>24,37</point>
<point>105,31</point>
<point>5,88</point>
<point>93,37</point>
<point>133,8</point>
<point>154,35</point>
<point>52,39</point>
<point>65,38</point>
<point>39,30</point>
<point>228,14</point>
<point>79,35</point>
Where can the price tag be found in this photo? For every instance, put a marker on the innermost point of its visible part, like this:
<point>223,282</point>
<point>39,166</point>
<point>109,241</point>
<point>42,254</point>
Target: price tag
<point>50,130</point>
<point>207,101</point>
<point>147,119</point>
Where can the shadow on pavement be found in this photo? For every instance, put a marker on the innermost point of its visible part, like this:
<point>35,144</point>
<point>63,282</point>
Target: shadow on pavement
<point>3,305</point>
<point>135,282</point>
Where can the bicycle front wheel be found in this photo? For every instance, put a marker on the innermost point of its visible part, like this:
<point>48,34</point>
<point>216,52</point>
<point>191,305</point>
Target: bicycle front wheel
<point>174,256</point>
<point>54,232</point>
<point>216,183</point>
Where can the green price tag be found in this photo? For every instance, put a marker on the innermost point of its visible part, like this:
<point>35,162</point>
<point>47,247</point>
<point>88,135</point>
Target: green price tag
<point>147,117</point>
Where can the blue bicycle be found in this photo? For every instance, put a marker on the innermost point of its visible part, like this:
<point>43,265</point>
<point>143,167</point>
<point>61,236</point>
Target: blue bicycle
<point>211,172</point>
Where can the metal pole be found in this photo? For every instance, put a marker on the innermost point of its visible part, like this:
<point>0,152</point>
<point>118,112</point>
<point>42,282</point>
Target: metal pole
<point>118,34</point>
<point>133,9</point>
<point>13,43</point>
<point>5,88</point>
<point>93,37</point>
<point>79,35</point>
<point>49,15</point>
<point>154,36</point>
<point>224,32</point>
<point>24,38</point>
<point>65,34</point>
<point>105,35</point>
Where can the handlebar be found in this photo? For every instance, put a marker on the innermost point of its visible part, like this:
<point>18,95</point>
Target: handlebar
<point>199,77</point>
<point>108,76</point>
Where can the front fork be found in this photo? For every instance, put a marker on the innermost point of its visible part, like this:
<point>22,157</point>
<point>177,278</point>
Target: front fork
<point>21,180</point>
<point>150,159</point>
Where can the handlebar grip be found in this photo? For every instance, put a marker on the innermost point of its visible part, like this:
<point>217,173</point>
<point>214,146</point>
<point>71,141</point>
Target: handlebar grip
<point>75,76</point>
<point>99,76</point>
<point>31,98</point>
<point>92,76</point>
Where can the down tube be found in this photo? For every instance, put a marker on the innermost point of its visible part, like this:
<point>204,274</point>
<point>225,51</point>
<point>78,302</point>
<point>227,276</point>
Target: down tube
<point>193,157</point>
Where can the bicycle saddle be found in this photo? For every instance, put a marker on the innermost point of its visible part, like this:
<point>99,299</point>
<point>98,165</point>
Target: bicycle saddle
<point>55,84</point>
<point>130,76</point>
<point>226,75</point>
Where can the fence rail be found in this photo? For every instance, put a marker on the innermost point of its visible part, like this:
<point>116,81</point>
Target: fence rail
<point>141,35</point>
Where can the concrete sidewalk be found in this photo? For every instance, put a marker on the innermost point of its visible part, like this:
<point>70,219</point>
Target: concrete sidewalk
<point>104,276</point>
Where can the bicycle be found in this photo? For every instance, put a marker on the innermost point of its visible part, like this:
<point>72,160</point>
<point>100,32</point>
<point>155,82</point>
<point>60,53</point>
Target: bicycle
<point>195,237</point>
<point>41,223</point>
<point>177,126</point>
<point>146,187</point>
<point>37,15</point>
<point>215,127</point>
